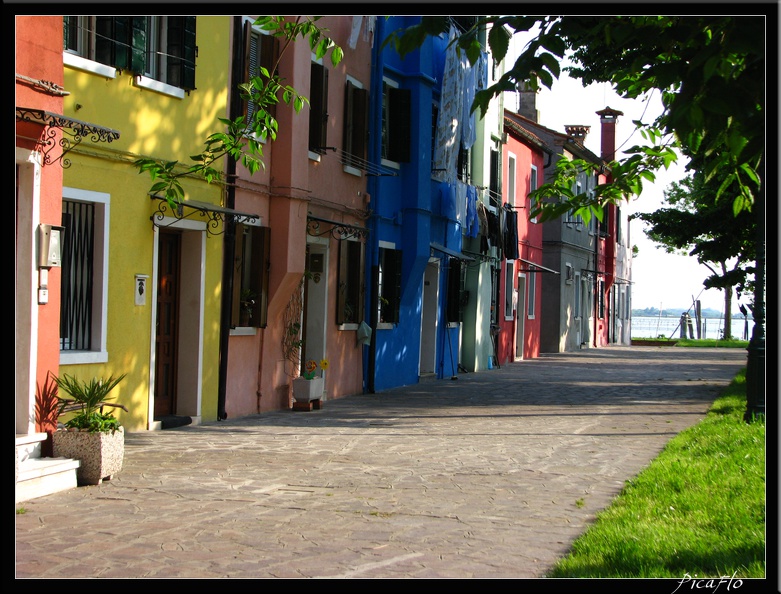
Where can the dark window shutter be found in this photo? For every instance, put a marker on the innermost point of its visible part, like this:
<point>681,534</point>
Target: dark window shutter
<point>399,124</point>
<point>318,102</point>
<point>391,285</point>
<point>269,53</point>
<point>238,250</point>
<point>181,52</point>
<point>356,123</point>
<point>112,41</point>
<point>454,291</point>
<point>251,62</point>
<point>496,178</point>
<point>349,298</point>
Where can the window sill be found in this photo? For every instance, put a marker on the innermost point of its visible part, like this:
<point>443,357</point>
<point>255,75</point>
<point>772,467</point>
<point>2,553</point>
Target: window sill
<point>352,170</point>
<point>348,327</point>
<point>144,82</point>
<point>79,63</point>
<point>391,164</point>
<point>83,357</point>
<point>244,331</point>
<point>385,326</point>
<point>313,156</point>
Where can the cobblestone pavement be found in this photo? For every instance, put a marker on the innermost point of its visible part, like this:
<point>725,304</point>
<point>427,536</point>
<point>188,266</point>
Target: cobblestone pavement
<point>492,475</point>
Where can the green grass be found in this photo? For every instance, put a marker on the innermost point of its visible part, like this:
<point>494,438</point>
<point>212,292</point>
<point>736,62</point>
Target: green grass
<point>697,509</point>
<point>712,343</point>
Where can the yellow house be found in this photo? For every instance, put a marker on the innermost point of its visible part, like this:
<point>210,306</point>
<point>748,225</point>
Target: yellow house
<point>142,281</point>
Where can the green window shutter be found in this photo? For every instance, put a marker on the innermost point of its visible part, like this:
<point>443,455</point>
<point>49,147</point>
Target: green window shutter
<point>138,55</point>
<point>181,52</point>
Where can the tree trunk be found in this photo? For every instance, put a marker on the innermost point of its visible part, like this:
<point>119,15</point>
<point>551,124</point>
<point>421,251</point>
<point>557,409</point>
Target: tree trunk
<point>727,313</point>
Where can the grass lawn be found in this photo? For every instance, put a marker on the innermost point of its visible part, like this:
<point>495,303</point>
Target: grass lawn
<point>697,509</point>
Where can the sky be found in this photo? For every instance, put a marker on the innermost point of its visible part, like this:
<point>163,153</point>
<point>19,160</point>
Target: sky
<point>660,280</point>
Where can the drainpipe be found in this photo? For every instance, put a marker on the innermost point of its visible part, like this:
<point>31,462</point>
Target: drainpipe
<point>229,238</point>
<point>372,255</point>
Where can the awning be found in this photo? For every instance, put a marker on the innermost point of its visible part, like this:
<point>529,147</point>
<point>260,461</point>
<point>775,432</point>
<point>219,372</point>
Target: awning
<point>537,267</point>
<point>76,129</point>
<point>213,213</point>
<point>445,250</point>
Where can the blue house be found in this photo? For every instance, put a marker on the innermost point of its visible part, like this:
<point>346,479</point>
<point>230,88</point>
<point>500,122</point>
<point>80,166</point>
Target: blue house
<point>422,205</point>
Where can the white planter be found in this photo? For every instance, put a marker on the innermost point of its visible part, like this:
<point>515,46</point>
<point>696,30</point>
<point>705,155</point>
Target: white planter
<point>305,390</point>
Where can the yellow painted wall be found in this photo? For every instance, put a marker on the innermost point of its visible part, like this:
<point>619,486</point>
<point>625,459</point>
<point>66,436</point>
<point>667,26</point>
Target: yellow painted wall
<point>163,127</point>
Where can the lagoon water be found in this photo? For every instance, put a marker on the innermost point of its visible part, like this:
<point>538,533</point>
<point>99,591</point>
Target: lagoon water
<point>647,327</point>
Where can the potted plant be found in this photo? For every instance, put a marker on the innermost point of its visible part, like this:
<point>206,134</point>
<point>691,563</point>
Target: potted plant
<point>93,437</point>
<point>309,385</point>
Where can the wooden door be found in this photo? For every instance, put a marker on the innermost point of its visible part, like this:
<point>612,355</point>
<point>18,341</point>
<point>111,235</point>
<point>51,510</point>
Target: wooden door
<point>167,322</point>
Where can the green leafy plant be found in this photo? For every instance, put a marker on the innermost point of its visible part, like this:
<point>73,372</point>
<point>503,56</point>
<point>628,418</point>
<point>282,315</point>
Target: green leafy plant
<point>88,399</point>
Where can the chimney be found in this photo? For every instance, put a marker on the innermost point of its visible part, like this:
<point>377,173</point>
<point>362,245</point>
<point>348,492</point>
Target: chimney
<point>578,132</point>
<point>527,102</point>
<point>608,118</point>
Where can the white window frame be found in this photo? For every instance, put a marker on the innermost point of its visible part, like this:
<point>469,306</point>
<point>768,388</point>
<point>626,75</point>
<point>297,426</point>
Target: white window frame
<point>102,202</point>
<point>511,177</point>
<point>531,298</point>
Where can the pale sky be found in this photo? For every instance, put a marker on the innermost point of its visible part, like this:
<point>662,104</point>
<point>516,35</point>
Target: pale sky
<point>660,279</point>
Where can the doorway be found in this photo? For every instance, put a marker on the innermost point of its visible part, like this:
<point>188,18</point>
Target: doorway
<point>520,317</point>
<point>167,323</point>
<point>428,319</point>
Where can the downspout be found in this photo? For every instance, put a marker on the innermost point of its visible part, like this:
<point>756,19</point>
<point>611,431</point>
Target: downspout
<point>372,187</point>
<point>229,238</point>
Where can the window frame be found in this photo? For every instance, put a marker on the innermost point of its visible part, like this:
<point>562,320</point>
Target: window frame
<point>534,182</point>
<point>531,298</point>
<point>512,162</point>
<point>98,352</point>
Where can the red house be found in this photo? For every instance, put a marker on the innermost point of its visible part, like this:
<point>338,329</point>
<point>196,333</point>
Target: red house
<point>524,157</point>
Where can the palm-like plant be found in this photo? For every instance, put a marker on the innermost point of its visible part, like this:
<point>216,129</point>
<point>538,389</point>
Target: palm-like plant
<point>87,400</point>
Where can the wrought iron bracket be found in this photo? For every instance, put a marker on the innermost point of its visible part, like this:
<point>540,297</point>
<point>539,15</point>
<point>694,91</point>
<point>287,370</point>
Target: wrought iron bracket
<point>75,129</point>
<point>317,227</point>
<point>213,215</point>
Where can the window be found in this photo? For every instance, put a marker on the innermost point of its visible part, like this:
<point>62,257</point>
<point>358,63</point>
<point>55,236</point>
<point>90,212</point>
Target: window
<point>318,103</point>
<point>573,220</point>
<point>250,276</point>
<point>396,122</point>
<point>356,123</point>
<point>85,217</point>
<point>389,285</point>
<point>456,295</point>
<point>509,289</point>
<point>350,295</point>
<point>495,183</point>
<point>531,284</point>
<point>495,276</point>
<point>462,171</point>
<point>511,179</point>
<point>161,48</point>
<point>532,186</point>
<point>260,51</point>
<point>619,237</point>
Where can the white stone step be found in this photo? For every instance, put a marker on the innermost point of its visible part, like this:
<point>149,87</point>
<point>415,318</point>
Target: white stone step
<point>43,476</point>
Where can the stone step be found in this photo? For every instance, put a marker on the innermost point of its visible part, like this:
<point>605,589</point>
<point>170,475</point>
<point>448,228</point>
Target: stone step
<point>43,476</point>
